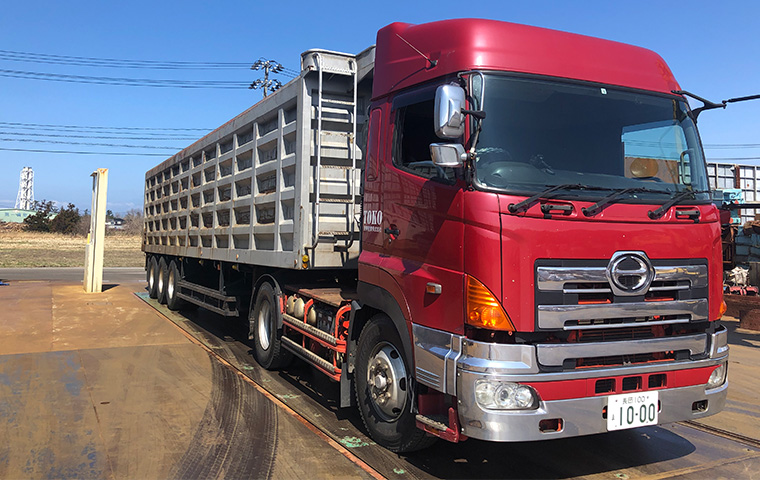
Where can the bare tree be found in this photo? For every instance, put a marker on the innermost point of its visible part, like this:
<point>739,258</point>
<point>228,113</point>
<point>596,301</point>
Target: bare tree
<point>133,222</point>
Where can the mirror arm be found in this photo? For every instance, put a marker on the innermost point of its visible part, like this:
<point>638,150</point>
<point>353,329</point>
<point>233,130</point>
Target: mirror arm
<point>708,105</point>
<point>479,114</point>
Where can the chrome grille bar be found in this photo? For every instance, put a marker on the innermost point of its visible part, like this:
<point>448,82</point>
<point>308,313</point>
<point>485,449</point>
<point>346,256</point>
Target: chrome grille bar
<point>605,326</point>
<point>554,354</point>
<point>555,316</point>
<point>555,278</point>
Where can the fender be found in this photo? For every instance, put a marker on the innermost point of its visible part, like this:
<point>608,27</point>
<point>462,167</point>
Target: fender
<point>381,299</point>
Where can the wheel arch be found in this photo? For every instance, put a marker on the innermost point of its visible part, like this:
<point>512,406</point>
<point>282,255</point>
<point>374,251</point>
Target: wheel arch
<point>378,299</point>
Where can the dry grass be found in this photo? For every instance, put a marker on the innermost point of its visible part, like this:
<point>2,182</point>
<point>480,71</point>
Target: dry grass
<point>34,249</point>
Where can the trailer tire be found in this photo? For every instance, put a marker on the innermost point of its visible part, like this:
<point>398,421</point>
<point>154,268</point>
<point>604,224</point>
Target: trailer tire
<point>172,288</point>
<point>152,277</point>
<point>383,388</point>
<point>263,322</point>
<point>163,275</point>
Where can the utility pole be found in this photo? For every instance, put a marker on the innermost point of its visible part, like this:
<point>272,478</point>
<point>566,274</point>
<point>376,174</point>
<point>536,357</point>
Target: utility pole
<point>267,85</point>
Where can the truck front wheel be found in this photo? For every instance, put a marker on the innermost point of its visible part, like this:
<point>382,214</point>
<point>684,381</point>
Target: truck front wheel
<point>383,388</point>
<point>266,334</point>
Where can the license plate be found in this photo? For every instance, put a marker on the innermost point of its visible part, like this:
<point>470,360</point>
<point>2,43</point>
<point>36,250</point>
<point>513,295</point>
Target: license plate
<point>631,410</point>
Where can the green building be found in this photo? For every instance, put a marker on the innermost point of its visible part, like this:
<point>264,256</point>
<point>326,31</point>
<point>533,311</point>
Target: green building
<point>14,215</point>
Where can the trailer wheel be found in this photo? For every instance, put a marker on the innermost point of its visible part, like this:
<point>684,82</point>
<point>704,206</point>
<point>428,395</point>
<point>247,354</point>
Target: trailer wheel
<point>383,389</point>
<point>152,277</point>
<point>263,323</point>
<point>163,274</point>
<point>172,288</point>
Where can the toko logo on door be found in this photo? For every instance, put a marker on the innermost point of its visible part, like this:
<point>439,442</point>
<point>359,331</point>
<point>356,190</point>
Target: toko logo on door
<point>373,219</point>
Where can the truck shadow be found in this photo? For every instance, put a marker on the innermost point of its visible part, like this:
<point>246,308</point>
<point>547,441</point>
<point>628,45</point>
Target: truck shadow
<point>740,336</point>
<point>562,458</point>
<point>320,400</point>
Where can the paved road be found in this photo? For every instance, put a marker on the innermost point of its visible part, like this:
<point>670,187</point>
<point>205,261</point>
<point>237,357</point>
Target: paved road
<point>726,445</point>
<point>111,276</point>
<point>157,406</point>
<point>103,386</point>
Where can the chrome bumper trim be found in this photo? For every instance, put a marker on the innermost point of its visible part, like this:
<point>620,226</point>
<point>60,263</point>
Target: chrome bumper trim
<point>580,416</point>
<point>554,354</point>
<point>719,343</point>
<point>555,316</point>
<point>439,355</point>
<point>436,354</point>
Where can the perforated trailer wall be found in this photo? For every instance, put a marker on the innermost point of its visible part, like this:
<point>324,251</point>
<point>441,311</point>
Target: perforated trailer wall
<point>277,182</point>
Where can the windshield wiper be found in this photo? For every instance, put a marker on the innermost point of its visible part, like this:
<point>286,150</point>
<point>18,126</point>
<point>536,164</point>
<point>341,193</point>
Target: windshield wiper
<point>588,211</point>
<point>515,207</point>
<point>654,214</point>
<point>593,209</point>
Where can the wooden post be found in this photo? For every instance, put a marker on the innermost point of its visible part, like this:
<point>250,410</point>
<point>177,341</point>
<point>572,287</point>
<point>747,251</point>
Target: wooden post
<point>93,265</point>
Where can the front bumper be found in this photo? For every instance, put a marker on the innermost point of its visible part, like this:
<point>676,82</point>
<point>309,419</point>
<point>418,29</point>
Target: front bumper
<point>452,364</point>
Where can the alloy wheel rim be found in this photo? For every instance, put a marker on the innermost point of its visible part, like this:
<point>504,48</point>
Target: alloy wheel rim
<point>386,379</point>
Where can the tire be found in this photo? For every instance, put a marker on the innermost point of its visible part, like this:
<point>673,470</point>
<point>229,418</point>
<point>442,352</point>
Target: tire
<point>152,277</point>
<point>163,274</point>
<point>263,321</point>
<point>172,279</point>
<point>383,388</point>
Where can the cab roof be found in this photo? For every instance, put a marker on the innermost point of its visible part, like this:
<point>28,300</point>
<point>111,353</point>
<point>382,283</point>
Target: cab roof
<point>469,44</point>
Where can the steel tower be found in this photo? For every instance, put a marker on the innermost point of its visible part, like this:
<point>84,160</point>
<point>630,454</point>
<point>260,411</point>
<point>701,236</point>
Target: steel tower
<point>25,198</point>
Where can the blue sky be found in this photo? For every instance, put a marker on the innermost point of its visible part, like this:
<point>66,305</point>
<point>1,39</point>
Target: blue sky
<point>712,47</point>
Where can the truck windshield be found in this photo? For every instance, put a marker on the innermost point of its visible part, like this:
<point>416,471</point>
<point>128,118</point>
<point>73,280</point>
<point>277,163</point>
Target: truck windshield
<point>542,133</point>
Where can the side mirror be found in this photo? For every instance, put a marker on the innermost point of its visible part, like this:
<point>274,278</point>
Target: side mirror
<point>448,116</point>
<point>447,154</point>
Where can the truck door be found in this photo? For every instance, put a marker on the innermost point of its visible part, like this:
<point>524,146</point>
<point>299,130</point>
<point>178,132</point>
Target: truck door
<point>421,225</point>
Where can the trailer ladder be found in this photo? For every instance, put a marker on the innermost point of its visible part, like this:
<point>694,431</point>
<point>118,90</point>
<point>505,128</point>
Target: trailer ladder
<point>335,172</point>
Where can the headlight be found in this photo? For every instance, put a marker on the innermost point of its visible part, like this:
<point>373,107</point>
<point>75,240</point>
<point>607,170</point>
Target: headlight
<point>505,395</point>
<point>718,376</point>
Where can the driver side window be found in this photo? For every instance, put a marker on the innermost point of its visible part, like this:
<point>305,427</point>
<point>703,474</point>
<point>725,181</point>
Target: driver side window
<point>413,134</point>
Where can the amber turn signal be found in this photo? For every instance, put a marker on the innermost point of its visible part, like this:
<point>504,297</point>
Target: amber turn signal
<point>723,308</point>
<point>483,309</point>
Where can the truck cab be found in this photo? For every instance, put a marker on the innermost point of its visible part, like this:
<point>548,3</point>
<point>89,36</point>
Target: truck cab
<point>537,207</point>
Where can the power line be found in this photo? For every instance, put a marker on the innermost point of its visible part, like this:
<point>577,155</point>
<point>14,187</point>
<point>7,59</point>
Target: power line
<point>102,137</point>
<point>105,154</point>
<point>731,159</point>
<point>101,127</point>
<point>122,63</point>
<point>732,145</point>
<point>92,62</point>
<point>62,142</point>
<point>652,143</point>
<point>120,81</point>
<point>112,63</point>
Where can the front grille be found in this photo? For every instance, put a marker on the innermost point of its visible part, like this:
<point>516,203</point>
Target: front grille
<point>631,383</point>
<point>578,295</point>
<point>618,360</point>
<point>657,381</point>
<point>616,334</point>
<point>605,385</point>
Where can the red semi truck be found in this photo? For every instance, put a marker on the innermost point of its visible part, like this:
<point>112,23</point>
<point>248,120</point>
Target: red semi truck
<point>477,228</point>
